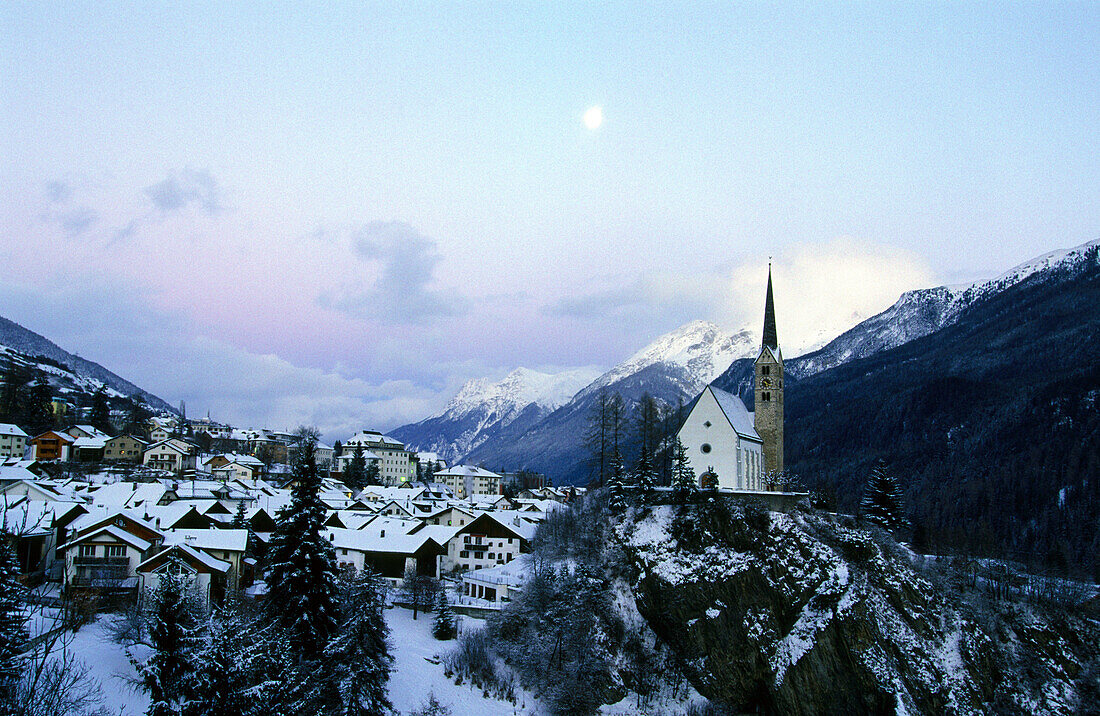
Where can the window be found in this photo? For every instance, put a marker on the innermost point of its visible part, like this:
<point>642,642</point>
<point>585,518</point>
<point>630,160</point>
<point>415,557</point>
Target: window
<point>87,550</point>
<point>705,448</point>
<point>116,550</point>
<point>463,554</point>
<point>765,396</point>
<point>765,370</point>
<point>492,555</point>
<point>706,424</point>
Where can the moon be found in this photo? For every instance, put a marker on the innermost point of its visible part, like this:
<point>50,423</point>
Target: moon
<point>593,117</point>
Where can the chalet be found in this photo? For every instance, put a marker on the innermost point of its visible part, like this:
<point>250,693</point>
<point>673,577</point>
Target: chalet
<point>169,455</point>
<point>389,552</point>
<point>52,445</point>
<point>486,541</point>
<point>13,441</point>
<point>124,447</point>
<point>228,546</point>
<point>105,553</point>
<point>201,573</point>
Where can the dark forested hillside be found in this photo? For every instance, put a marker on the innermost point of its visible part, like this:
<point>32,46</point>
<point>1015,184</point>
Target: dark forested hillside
<point>992,424</point>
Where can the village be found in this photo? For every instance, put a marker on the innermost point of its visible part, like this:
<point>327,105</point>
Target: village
<point>92,513</point>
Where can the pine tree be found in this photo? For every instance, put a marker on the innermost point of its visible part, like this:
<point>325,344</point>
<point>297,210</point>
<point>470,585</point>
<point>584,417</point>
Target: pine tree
<point>100,415</point>
<point>683,477</point>
<point>882,501</point>
<point>301,575</point>
<point>357,659</point>
<point>39,408</point>
<point>445,623</point>
<point>645,476</point>
<point>355,474</point>
<point>371,477</point>
<point>166,674</point>
<point>709,479</point>
<point>616,500</point>
<point>219,683</point>
<point>13,630</point>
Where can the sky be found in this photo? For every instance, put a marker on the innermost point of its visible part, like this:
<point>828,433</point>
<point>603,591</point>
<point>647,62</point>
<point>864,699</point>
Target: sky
<point>285,214</point>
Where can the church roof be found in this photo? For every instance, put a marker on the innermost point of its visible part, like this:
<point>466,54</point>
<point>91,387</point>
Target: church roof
<point>735,411</point>
<point>771,339</point>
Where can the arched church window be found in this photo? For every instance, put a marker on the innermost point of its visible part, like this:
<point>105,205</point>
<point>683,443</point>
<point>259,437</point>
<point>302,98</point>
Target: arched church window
<point>765,397</point>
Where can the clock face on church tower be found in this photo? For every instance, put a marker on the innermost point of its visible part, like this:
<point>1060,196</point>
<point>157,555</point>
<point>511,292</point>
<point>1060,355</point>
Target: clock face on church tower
<point>766,382</point>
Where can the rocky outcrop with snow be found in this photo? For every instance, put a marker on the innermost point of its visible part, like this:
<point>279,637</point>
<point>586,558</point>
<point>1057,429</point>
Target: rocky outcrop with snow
<point>799,614</point>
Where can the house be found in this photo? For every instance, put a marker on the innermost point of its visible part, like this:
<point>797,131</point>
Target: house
<point>228,546</point>
<point>466,480</point>
<point>202,574</point>
<point>13,441</point>
<point>105,554</point>
<point>390,552</point>
<point>87,449</point>
<point>52,445</point>
<point>494,587</point>
<point>718,435</point>
<point>232,466</point>
<point>486,541</point>
<point>169,455</point>
<point>124,447</point>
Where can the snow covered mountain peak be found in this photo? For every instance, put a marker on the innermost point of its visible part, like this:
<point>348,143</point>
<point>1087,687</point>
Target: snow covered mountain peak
<point>518,389</point>
<point>700,348</point>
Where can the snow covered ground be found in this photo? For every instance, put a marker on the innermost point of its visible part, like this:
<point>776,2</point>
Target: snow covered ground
<point>109,665</point>
<point>415,675</point>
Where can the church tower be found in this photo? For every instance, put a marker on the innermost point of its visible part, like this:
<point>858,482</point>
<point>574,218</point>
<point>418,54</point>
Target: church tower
<point>768,387</point>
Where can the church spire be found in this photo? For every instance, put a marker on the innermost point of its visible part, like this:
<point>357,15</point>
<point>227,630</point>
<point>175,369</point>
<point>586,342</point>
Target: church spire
<point>771,340</point>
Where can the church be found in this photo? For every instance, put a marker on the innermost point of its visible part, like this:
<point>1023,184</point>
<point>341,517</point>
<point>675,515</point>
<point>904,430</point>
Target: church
<point>720,434</point>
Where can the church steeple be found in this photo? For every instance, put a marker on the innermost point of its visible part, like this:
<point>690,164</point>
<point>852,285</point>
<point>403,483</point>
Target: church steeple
<point>771,340</point>
<point>768,390</point>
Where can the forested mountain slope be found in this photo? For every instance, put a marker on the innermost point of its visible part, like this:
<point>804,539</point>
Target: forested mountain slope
<point>992,423</point>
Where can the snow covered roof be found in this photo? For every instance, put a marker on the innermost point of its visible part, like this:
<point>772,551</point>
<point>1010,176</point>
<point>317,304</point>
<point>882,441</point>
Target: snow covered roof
<point>464,470</point>
<point>736,413</point>
<point>513,574</point>
<point>370,437</point>
<point>128,494</point>
<point>90,443</point>
<point>379,540</point>
<point>113,531</point>
<point>90,431</point>
<point>187,553</point>
<point>9,429</point>
<point>225,540</point>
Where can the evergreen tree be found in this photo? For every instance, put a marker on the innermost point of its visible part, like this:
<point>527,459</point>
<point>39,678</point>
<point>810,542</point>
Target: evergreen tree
<point>372,477</point>
<point>220,680</point>
<point>882,502</point>
<point>39,409</point>
<point>616,500</point>
<point>301,575</point>
<point>100,415</point>
<point>709,479</point>
<point>13,631</point>
<point>355,474</point>
<point>683,477</point>
<point>358,657</point>
<point>166,675</point>
<point>445,626</point>
<point>240,522</point>
<point>645,476</point>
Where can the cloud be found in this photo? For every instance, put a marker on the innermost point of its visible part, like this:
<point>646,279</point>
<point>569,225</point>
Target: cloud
<point>823,289</point>
<point>661,299</point>
<point>77,221</point>
<point>185,187</point>
<point>58,191</point>
<point>168,355</point>
<point>401,294</point>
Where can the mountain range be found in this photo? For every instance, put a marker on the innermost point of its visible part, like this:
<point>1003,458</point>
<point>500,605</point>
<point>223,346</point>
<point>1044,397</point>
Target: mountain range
<point>69,375</point>
<point>675,368</point>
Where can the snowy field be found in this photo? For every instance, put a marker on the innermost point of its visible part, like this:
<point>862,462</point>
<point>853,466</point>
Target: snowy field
<point>417,671</point>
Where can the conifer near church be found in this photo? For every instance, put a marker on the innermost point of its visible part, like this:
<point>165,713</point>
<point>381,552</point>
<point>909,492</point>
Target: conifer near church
<point>882,501</point>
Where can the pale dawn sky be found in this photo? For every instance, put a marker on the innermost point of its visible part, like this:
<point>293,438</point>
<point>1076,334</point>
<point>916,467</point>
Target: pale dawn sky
<point>285,213</point>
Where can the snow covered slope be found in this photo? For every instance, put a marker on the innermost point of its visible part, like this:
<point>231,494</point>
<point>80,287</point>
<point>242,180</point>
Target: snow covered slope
<point>482,409</point>
<point>68,374</point>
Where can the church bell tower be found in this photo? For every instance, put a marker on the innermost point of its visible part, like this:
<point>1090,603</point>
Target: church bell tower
<point>768,389</point>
